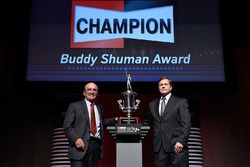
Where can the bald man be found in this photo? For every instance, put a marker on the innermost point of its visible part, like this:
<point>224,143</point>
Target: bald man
<point>85,148</point>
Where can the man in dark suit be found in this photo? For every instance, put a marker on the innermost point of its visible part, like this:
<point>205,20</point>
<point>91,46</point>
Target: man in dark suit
<point>171,119</point>
<point>83,126</point>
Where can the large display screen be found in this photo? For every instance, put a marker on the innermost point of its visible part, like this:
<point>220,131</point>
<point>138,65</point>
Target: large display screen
<point>81,40</point>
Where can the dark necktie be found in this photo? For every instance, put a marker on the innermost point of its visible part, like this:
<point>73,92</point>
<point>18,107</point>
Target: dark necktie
<point>163,104</point>
<point>92,119</point>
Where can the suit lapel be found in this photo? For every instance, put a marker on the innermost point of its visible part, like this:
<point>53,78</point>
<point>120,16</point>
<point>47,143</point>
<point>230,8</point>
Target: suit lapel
<point>85,112</point>
<point>168,106</point>
<point>156,109</point>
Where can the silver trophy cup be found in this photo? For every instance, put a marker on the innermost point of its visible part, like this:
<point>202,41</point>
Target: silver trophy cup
<point>128,103</point>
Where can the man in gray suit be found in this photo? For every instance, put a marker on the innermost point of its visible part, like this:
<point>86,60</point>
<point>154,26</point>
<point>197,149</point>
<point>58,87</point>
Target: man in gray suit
<point>85,141</point>
<point>171,119</point>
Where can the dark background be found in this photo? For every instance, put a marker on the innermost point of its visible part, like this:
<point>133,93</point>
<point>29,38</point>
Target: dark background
<point>29,111</point>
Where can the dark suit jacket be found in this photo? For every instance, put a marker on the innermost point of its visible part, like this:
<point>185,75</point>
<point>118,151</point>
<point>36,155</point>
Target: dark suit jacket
<point>76,125</point>
<point>173,126</point>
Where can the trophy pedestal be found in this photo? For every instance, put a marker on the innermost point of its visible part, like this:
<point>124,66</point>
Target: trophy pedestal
<point>128,143</point>
<point>128,154</point>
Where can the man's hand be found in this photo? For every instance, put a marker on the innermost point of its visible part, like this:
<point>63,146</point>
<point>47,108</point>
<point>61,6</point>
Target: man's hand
<point>79,143</point>
<point>178,147</point>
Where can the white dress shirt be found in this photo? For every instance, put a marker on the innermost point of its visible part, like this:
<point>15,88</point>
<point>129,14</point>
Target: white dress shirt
<point>166,98</point>
<point>97,118</point>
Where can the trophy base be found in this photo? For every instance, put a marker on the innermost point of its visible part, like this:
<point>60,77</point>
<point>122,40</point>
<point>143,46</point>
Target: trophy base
<point>125,131</point>
<point>128,120</point>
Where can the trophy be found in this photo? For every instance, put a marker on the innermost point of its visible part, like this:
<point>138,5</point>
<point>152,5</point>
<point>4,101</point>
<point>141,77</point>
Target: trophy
<point>128,103</point>
<point>128,132</point>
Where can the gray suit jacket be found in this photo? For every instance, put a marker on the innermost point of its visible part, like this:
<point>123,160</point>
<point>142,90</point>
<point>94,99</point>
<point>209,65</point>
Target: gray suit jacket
<point>173,126</point>
<point>76,125</point>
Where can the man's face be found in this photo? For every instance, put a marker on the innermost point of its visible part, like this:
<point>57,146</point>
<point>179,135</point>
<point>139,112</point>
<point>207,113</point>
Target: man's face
<point>164,87</point>
<point>90,92</point>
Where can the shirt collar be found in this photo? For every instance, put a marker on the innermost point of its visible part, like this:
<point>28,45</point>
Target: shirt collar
<point>88,102</point>
<point>166,97</point>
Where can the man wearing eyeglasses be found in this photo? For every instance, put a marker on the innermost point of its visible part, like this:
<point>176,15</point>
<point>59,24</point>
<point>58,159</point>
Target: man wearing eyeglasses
<point>83,126</point>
